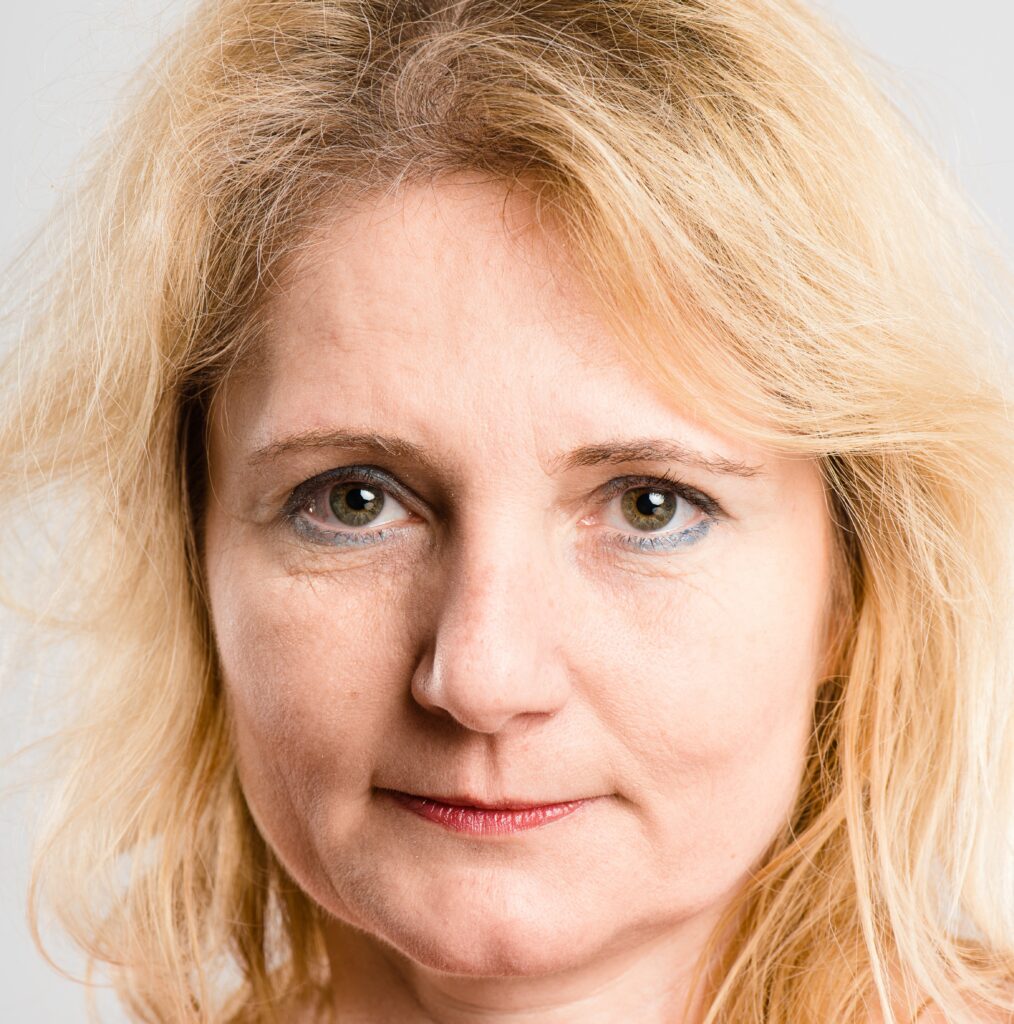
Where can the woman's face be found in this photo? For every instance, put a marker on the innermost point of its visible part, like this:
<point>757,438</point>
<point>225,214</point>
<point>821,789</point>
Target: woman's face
<point>502,610</point>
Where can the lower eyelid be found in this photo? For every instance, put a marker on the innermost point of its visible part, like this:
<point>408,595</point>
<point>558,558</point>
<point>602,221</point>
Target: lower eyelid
<point>659,542</point>
<point>340,538</point>
<point>687,537</point>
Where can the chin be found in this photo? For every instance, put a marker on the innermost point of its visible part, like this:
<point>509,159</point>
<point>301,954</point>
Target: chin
<point>489,931</point>
<point>498,948</point>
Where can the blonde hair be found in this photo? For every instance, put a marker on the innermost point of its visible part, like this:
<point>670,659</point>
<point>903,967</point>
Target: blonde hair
<point>771,246</point>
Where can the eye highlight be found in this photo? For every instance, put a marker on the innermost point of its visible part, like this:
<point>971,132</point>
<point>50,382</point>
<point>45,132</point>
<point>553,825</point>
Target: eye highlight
<point>335,507</point>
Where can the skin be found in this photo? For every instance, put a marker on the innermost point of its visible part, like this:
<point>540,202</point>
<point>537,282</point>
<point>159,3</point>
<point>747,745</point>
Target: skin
<point>501,640</point>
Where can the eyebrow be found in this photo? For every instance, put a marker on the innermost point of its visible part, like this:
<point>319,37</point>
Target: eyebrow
<point>651,449</point>
<point>609,452</point>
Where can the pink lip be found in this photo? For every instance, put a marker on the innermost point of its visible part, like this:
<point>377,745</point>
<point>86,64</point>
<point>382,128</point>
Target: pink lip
<point>484,820</point>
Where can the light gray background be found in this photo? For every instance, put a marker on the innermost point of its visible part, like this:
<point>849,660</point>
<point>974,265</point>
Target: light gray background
<point>61,64</point>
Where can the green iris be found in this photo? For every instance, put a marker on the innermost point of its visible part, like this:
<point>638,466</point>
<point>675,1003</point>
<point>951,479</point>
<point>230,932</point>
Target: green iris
<point>355,504</point>
<point>647,508</point>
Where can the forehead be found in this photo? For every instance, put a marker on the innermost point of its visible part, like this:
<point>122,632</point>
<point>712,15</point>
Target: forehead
<point>449,306</point>
<point>452,271</point>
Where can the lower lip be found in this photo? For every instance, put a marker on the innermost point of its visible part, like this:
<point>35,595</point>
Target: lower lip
<point>478,821</point>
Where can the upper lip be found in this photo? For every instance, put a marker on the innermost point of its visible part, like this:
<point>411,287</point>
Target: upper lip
<point>504,804</point>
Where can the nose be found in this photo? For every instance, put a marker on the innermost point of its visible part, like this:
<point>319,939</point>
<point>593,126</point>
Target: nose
<point>497,651</point>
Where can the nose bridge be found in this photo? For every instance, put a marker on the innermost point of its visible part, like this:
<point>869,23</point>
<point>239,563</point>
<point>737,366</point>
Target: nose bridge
<point>495,650</point>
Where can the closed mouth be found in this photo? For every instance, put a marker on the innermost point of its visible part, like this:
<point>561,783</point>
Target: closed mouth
<point>501,818</point>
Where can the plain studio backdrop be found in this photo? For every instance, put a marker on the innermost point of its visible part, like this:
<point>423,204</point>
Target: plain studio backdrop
<point>63,63</point>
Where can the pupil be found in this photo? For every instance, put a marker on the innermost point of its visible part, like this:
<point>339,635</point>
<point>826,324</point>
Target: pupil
<point>649,502</point>
<point>359,498</point>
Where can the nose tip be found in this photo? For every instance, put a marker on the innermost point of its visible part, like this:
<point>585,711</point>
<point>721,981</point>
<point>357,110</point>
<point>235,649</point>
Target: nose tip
<point>486,698</point>
<point>496,653</point>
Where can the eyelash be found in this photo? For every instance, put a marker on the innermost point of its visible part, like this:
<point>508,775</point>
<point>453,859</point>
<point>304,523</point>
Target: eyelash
<point>301,497</point>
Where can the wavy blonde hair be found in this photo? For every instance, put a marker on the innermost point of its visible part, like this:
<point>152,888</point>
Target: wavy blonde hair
<point>772,246</point>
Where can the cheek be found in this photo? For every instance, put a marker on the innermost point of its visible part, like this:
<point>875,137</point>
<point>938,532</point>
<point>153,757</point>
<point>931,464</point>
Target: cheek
<point>311,666</point>
<point>726,670</point>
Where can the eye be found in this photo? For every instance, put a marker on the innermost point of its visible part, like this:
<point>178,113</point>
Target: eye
<point>666,512</point>
<point>337,506</point>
